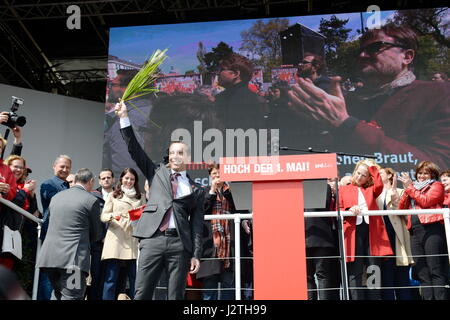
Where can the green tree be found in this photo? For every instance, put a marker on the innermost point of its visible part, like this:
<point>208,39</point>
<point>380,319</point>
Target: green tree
<point>335,35</point>
<point>201,58</point>
<point>263,43</point>
<point>344,64</point>
<point>430,58</point>
<point>427,21</point>
<point>213,58</point>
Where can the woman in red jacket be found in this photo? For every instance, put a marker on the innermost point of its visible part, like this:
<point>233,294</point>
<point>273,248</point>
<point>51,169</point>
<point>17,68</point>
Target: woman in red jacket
<point>427,230</point>
<point>364,235</point>
<point>445,179</point>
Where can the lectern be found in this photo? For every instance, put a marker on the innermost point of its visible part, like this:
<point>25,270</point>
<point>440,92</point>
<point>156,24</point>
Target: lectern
<point>279,254</point>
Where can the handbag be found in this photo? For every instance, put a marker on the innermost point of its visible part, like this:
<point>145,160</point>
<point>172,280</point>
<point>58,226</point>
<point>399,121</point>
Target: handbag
<point>12,242</point>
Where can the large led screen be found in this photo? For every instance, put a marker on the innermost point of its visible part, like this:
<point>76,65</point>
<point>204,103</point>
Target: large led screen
<point>271,86</point>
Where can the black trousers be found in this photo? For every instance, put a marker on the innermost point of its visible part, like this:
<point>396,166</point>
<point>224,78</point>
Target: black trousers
<point>68,284</point>
<point>327,271</point>
<point>429,239</point>
<point>364,266</point>
<point>162,253</point>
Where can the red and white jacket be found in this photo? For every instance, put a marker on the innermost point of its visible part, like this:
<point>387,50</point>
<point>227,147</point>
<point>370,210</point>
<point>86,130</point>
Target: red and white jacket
<point>430,197</point>
<point>378,237</point>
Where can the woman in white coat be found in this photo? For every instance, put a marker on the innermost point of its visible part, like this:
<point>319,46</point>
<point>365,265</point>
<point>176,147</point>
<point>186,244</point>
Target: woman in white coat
<point>120,247</point>
<point>395,271</point>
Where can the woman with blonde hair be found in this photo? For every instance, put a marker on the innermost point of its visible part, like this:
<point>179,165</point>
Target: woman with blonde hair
<point>428,243</point>
<point>120,247</point>
<point>365,237</point>
<point>395,270</point>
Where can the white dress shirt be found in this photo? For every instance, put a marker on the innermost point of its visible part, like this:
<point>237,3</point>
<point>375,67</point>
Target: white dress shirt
<point>363,207</point>
<point>183,189</point>
<point>105,194</point>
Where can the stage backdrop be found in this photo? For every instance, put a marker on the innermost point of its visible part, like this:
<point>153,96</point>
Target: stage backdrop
<point>192,102</point>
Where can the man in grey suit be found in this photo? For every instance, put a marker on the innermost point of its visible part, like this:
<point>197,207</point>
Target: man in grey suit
<point>170,228</point>
<point>74,223</point>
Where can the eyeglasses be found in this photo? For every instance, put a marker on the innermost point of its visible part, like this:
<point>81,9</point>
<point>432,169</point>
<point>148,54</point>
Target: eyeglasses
<point>304,62</point>
<point>375,47</point>
<point>223,69</point>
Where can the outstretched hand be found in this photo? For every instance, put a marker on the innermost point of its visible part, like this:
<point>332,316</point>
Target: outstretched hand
<point>405,179</point>
<point>327,108</point>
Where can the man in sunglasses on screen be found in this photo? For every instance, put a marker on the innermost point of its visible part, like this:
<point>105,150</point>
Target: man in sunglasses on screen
<point>393,113</point>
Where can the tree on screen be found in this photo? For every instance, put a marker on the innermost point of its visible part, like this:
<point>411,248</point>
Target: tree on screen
<point>427,21</point>
<point>213,58</point>
<point>262,43</point>
<point>335,35</point>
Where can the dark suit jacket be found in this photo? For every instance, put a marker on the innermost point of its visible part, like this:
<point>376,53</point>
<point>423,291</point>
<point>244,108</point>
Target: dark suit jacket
<point>48,189</point>
<point>319,231</point>
<point>99,195</point>
<point>74,224</point>
<point>188,210</point>
<point>211,267</point>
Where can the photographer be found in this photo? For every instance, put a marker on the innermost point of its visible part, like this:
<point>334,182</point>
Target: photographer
<point>8,189</point>
<point>17,132</point>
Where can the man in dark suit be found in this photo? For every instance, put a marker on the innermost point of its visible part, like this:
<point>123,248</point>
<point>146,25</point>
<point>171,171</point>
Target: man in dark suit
<point>50,187</point>
<point>170,228</point>
<point>74,224</point>
<point>322,241</point>
<point>95,290</point>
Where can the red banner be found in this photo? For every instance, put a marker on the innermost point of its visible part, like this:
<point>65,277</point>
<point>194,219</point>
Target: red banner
<point>298,167</point>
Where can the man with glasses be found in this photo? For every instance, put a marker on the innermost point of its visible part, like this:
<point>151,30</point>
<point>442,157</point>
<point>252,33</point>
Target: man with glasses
<point>238,106</point>
<point>393,113</point>
<point>313,67</point>
<point>439,77</point>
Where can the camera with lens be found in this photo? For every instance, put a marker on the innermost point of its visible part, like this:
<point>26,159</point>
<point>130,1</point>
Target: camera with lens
<point>13,118</point>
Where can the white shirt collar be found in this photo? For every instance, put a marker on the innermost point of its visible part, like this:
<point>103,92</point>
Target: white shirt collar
<point>183,173</point>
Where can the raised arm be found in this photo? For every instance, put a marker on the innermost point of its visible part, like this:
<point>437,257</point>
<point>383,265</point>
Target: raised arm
<point>377,182</point>
<point>135,150</point>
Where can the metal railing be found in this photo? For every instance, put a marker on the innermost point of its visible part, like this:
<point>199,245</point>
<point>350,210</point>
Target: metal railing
<point>39,222</point>
<point>319,214</point>
<point>237,228</point>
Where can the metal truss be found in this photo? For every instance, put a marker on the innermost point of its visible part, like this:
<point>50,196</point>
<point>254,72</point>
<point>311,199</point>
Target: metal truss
<point>50,9</point>
<point>24,63</point>
<point>87,75</point>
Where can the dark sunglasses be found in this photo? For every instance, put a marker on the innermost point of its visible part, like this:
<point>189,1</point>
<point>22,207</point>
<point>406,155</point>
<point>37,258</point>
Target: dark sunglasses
<point>304,62</point>
<point>375,47</point>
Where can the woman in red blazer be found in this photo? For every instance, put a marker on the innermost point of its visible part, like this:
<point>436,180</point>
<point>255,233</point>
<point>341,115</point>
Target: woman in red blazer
<point>364,235</point>
<point>427,230</point>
